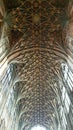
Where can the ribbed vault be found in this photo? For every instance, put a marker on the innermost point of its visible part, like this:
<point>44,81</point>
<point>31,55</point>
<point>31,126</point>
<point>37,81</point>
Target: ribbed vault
<point>37,50</point>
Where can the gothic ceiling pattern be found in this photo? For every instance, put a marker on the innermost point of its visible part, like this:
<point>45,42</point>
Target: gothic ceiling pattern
<point>33,19</point>
<point>37,20</point>
<point>36,28</point>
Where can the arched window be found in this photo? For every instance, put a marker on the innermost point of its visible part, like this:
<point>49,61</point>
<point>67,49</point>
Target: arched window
<point>67,76</point>
<point>38,127</point>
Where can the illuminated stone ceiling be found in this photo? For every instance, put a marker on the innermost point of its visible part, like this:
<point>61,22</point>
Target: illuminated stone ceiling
<point>37,26</point>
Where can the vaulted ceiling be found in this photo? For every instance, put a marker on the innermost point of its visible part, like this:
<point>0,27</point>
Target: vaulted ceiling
<point>36,33</point>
